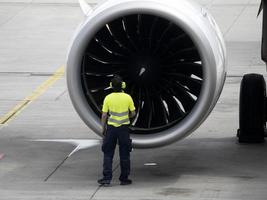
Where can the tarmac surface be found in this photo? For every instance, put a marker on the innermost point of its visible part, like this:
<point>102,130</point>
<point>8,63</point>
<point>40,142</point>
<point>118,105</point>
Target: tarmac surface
<point>209,164</point>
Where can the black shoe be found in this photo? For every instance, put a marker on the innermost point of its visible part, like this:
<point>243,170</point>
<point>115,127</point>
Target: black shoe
<point>104,182</point>
<point>126,182</point>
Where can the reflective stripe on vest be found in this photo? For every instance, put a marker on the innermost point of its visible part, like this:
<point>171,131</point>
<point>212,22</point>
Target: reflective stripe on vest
<point>118,118</point>
<point>122,114</point>
<point>118,122</point>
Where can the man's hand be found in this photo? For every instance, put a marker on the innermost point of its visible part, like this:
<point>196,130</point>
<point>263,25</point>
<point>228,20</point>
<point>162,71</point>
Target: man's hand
<point>104,131</point>
<point>104,123</point>
<point>132,114</point>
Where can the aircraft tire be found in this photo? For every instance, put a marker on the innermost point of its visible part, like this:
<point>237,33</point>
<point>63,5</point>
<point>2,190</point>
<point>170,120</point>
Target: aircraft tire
<point>252,109</point>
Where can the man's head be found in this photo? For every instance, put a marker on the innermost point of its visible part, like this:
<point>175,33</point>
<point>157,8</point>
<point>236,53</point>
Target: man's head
<point>117,83</point>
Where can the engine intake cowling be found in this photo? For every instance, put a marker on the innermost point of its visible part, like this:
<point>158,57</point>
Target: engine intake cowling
<point>170,54</point>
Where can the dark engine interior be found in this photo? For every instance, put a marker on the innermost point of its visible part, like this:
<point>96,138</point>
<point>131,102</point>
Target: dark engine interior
<point>159,62</point>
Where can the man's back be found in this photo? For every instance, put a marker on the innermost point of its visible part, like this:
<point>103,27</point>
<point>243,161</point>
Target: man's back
<point>118,105</point>
<point>119,101</point>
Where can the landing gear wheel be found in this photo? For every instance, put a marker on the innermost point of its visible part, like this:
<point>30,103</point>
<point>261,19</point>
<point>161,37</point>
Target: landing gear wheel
<point>252,109</point>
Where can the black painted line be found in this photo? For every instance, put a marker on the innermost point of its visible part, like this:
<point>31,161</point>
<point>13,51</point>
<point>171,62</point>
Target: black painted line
<point>60,95</point>
<point>14,112</point>
<point>59,165</point>
<point>99,187</point>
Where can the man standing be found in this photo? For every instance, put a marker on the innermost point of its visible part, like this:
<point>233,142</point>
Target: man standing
<point>120,108</point>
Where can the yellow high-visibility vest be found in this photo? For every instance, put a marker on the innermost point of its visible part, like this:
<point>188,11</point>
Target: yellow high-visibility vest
<point>118,105</point>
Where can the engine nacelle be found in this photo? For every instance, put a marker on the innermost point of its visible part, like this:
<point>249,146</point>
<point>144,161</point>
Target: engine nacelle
<point>171,54</point>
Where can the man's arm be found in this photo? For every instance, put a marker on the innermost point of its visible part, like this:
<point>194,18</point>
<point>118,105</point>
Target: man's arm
<point>132,114</point>
<point>131,108</point>
<point>104,122</point>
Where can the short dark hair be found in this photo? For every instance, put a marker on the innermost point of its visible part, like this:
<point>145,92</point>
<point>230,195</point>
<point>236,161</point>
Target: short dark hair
<point>116,83</point>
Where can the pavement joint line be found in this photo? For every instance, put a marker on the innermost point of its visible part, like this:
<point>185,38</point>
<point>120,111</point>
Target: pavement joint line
<point>76,149</point>
<point>97,189</point>
<point>237,18</point>
<point>14,111</point>
<point>58,166</point>
<point>17,109</point>
<point>60,95</point>
<point>33,3</point>
<point>13,16</point>
<point>100,186</point>
<point>25,74</point>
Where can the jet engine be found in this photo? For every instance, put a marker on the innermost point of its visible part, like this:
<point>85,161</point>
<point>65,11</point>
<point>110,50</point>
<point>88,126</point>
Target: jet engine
<point>171,54</point>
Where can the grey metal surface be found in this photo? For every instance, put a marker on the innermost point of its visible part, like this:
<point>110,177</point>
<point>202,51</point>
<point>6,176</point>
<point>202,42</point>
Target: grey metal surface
<point>207,165</point>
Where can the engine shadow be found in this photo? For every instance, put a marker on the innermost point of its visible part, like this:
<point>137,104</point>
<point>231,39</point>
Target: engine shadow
<point>218,157</point>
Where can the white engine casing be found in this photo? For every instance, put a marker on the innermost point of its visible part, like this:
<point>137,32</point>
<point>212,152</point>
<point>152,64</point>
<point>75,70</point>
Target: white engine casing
<point>191,17</point>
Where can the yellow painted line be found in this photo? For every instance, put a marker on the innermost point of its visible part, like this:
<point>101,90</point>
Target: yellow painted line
<point>32,97</point>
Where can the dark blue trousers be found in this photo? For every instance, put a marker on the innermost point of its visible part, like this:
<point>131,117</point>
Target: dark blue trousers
<point>114,134</point>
